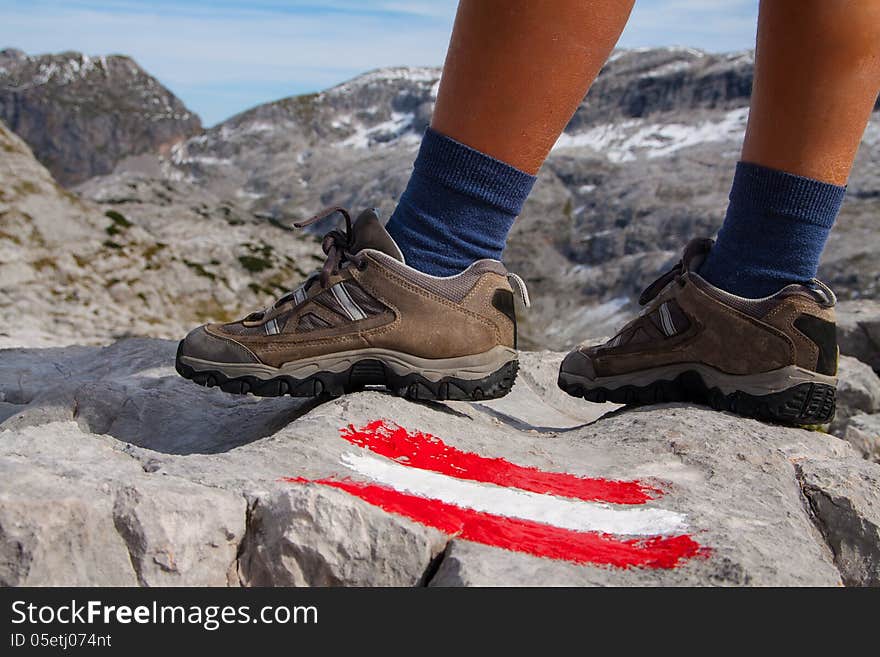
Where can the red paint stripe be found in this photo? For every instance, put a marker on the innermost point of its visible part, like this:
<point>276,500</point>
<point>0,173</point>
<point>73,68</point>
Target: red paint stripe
<point>427,452</point>
<point>523,535</point>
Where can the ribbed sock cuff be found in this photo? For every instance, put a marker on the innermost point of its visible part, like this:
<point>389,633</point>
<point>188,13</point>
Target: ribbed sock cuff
<point>769,190</point>
<point>468,171</point>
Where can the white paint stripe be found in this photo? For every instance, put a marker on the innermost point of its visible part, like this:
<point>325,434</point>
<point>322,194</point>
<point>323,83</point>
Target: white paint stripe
<point>666,320</point>
<point>354,311</point>
<point>515,503</point>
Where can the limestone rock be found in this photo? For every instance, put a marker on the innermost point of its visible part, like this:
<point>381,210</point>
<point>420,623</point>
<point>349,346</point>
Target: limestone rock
<point>858,330</point>
<point>863,433</point>
<point>179,533</point>
<point>858,391</point>
<point>57,532</point>
<point>75,509</point>
<point>81,115</point>
<point>845,498</point>
<point>158,258</point>
<point>117,471</point>
<point>310,536</point>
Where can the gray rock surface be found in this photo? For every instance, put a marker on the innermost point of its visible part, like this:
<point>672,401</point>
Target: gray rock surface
<point>155,258</point>
<point>846,505</point>
<point>81,115</point>
<point>863,433</point>
<point>312,536</point>
<point>858,330</point>
<point>858,391</point>
<point>117,471</point>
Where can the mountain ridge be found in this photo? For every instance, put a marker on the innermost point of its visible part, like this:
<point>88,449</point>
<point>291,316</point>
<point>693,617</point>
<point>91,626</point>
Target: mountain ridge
<point>604,219</point>
<point>81,114</point>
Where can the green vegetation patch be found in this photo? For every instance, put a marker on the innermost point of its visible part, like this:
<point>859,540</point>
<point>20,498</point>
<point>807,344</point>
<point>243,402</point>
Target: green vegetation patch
<point>120,223</point>
<point>118,219</point>
<point>255,264</point>
<point>199,269</point>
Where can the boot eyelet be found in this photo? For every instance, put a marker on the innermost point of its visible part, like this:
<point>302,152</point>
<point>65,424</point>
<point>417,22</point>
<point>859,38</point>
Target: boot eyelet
<point>362,266</point>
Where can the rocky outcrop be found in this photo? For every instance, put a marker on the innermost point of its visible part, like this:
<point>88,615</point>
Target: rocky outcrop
<point>81,115</point>
<point>863,432</point>
<point>846,506</point>
<point>155,258</point>
<point>117,471</point>
<point>114,470</point>
<point>858,392</point>
<point>636,84</point>
<point>858,330</point>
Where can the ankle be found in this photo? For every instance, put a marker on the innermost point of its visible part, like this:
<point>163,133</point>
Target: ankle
<point>458,206</point>
<point>774,232</point>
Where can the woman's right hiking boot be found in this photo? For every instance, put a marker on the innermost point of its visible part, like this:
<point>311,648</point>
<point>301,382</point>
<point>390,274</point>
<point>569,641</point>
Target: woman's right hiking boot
<point>772,359</point>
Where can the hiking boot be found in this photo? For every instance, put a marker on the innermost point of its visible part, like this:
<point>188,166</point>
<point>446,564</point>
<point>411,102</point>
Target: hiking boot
<point>773,358</point>
<point>368,320</point>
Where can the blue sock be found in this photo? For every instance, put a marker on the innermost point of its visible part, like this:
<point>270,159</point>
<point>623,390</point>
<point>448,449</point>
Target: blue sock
<point>774,232</point>
<point>457,208</point>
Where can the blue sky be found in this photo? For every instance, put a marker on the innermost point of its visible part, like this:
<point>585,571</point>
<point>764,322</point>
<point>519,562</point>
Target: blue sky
<point>224,56</point>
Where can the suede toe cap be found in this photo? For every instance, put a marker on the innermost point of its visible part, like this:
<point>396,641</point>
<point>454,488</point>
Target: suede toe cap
<point>578,364</point>
<point>200,343</point>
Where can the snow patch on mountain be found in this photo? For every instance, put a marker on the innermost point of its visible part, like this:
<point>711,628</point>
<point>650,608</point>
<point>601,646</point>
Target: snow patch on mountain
<point>627,140</point>
<point>387,131</point>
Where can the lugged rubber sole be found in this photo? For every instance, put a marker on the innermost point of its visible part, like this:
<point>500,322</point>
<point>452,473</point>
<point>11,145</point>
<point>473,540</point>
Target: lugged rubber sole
<point>362,374</point>
<point>802,404</point>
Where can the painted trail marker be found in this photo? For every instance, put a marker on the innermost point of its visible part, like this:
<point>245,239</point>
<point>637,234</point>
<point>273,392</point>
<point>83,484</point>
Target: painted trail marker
<point>498,503</point>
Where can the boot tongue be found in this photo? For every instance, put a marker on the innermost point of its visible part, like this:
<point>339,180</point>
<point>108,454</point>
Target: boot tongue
<point>695,253</point>
<point>369,233</point>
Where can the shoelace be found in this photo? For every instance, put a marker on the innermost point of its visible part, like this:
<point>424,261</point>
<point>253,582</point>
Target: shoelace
<point>336,246</point>
<point>695,248</point>
<point>700,247</point>
<point>657,286</point>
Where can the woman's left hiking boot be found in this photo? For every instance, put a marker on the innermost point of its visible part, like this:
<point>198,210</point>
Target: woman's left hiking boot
<point>368,320</point>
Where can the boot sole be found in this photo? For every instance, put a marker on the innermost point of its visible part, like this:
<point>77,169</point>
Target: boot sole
<point>809,400</point>
<point>355,373</point>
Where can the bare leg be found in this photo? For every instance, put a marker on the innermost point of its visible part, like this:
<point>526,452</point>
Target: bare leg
<point>516,70</point>
<point>817,75</point>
